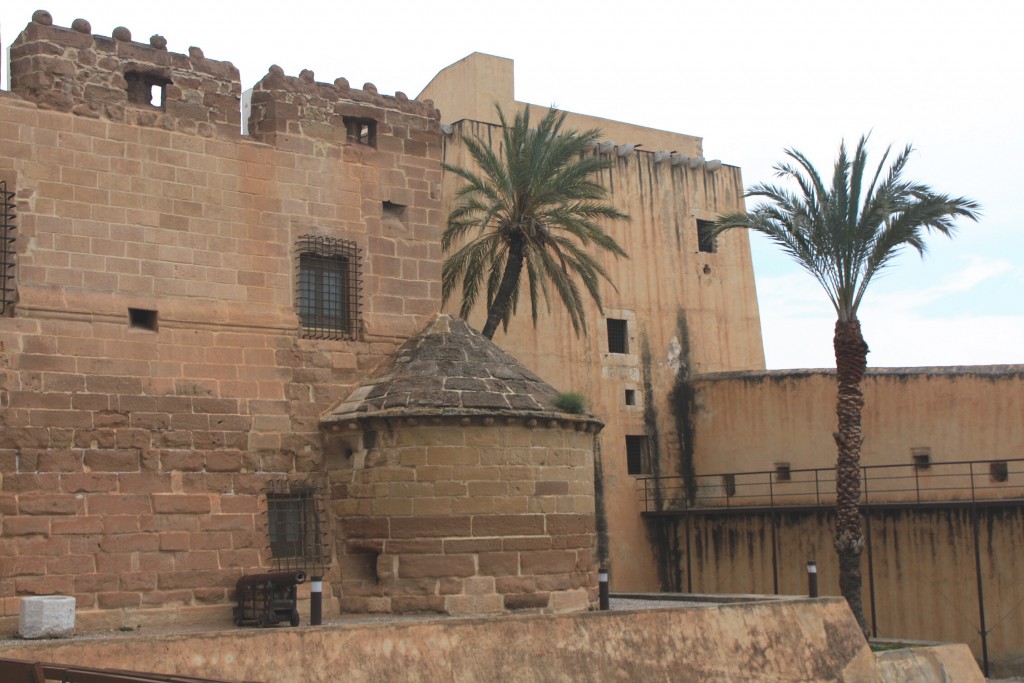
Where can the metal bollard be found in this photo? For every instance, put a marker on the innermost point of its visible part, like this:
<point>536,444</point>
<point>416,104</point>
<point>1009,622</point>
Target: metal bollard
<point>602,586</point>
<point>812,579</point>
<point>316,596</point>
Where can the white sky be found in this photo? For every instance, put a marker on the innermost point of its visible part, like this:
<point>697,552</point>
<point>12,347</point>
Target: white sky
<point>750,77</point>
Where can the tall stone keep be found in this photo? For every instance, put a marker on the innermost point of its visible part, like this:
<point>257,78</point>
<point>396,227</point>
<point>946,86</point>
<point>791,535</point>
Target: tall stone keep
<point>459,487</point>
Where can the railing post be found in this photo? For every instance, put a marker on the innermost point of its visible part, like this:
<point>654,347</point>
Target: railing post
<point>871,557</point>
<point>977,571</point>
<point>775,543</point>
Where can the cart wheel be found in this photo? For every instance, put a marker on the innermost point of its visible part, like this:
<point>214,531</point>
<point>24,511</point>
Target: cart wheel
<point>295,618</point>
<point>261,619</point>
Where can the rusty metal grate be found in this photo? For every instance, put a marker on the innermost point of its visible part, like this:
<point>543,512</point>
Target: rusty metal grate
<point>328,288</point>
<point>295,524</point>
<point>6,248</point>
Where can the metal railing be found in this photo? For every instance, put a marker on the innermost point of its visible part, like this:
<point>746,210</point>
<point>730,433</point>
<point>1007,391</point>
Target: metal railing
<point>915,484</point>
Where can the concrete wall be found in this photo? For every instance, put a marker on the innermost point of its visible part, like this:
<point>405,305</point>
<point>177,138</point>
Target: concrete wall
<point>132,459</point>
<point>748,421</point>
<point>798,640</point>
<point>467,515</point>
<point>922,562</point>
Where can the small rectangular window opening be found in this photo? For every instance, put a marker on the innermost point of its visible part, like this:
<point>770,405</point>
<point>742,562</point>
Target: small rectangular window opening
<point>149,90</point>
<point>361,131</point>
<point>921,457</point>
<point>999,471</point>
<point>618,339</point>
<point>783,472</point>
<point>638,459</point>
<point>142,319</point>
<point>6,249</point>
<point>630,397</point>
<point>706,241</point>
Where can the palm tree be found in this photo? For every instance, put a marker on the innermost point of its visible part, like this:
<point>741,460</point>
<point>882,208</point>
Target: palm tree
<point>533,203</point>
<point>843,235</point>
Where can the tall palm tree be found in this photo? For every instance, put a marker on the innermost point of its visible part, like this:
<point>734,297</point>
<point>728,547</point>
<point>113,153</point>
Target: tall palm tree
<point>535,203</point>
<point>843,235</point>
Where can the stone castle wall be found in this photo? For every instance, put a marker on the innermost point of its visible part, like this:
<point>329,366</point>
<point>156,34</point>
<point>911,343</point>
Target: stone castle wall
<point>133,453</point>
<point>468,515</point>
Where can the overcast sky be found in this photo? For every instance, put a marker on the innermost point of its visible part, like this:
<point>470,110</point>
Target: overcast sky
<point>750,77</point>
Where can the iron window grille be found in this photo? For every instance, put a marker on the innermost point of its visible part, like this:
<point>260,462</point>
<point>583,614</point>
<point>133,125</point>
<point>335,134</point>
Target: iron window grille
<point>637,458</point>
<point>618,340</point>
<point>706,241</point>
<point>328,288</point>
<point>6,248</point>
<point>295,525</point>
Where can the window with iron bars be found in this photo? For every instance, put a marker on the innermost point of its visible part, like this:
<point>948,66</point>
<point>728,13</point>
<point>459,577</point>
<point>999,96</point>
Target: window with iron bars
<point>295,526</point>
<point>618,336</point>
<point>328,288</point>
<point>6,249</point>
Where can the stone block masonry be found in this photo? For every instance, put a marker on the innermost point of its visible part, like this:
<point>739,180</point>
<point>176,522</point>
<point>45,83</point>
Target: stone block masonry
<point>432,519</point>
<point>156,372</point>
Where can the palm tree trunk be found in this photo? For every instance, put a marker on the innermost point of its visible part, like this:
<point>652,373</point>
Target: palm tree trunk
<point>851,361</point>
<point>509,282</point>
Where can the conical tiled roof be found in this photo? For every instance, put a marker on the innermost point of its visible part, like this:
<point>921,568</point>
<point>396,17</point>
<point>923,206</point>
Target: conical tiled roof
<point>450,369</point>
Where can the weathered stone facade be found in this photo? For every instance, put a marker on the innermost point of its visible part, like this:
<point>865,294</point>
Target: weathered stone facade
<point>155,373</point>
<point>459,485</point>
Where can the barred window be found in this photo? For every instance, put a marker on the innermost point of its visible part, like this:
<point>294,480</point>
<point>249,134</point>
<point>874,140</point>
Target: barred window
<point>295,525</point>
<point>618,336</point>
<point>328,288</point>
<point>6,249</point>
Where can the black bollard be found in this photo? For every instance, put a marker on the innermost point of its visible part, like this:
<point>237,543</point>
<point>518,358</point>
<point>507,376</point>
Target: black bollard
<point>602,586</point>
<point>812,579</point>
<point>316,601</point>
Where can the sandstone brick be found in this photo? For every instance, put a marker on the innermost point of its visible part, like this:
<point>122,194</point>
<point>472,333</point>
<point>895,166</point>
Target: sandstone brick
<point>180,504</point>
<point>416,546</point>
<point>118,599</point>
<point>126,543</point>
<point>175,540</point>
<point>23,526</point>
<point>527,543</point>
<point>88,483</point>
<point>551,488</point>
<point>471,545</point>
<point>426,603</point>
<point>508,525</point>
<point>548,562</point>
<point>514,601</point>
<point>435,566</point>
<point>76,525</point>
<point>499,563</point>
<point>137,581</point>
<point>112,461</point>
<point>94,583</point>
<point>431,527</point>
<point>558,524</point>
<point>47,504</point>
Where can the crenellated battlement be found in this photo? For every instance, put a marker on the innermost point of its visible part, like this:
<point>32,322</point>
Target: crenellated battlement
<point>338,113</point>
<point>116,78</point>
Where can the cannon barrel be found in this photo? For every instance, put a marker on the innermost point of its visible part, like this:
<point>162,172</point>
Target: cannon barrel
<point>281,579</point>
